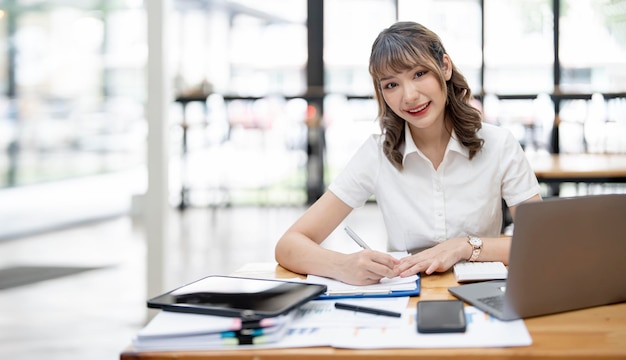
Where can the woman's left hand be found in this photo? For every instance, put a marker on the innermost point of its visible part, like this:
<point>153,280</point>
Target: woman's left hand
<point>438,258</point>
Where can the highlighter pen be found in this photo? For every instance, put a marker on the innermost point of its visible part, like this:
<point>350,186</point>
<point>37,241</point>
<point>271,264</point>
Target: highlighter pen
<point>356,238</point>
<point>367,310</point>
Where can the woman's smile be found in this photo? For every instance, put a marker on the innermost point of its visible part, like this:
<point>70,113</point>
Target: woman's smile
<point>418,110</point>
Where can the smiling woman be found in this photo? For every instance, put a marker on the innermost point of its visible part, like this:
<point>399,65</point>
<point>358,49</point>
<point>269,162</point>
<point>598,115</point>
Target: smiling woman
<point>419,57</point>
<point>437,172</point>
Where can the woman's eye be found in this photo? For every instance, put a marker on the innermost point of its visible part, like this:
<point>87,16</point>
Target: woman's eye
<point>389,85</point>
<point>420,73</point>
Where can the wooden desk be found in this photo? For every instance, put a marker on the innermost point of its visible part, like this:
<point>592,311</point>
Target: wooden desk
<point>597,333</point>
<point>588,168</point>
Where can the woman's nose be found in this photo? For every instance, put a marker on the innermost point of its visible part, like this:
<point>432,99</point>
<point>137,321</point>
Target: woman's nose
<point>411,92</point>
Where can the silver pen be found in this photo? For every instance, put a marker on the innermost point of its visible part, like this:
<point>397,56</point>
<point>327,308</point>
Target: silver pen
<point>356,238</point>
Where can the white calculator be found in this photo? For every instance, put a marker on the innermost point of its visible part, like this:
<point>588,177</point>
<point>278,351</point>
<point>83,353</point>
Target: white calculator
<point>479,271</point>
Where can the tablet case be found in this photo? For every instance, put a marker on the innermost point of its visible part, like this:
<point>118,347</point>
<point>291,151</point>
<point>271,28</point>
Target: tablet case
<point>249,299</point>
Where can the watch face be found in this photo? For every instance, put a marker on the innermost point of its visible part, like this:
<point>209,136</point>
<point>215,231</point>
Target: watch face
<point>475,241</point>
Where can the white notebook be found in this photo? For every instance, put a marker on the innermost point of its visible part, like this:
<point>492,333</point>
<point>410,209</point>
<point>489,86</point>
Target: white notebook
<point>480,271</point>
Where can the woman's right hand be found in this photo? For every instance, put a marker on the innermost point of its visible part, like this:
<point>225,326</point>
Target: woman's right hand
<point>367,267</point>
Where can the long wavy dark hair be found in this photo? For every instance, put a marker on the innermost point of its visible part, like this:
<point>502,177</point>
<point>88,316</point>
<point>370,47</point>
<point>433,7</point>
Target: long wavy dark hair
<point>404,46</point>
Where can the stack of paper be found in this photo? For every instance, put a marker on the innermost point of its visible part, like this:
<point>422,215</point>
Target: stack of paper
<point>318,323</point>
<point>174,330</point>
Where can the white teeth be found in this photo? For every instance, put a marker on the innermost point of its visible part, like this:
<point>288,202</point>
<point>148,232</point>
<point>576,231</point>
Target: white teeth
<point>418,110</point>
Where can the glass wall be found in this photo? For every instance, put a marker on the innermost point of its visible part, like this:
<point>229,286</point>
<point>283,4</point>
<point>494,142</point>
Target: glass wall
<point>347,48</point>
<point>519,51</point>
<point>592,53</point>
<point>73,85</point>
<point>524,87</point>
<point>592,46</point>
<point>238,123</point>
<point>241,47</point>
<point>349,111</point>
<point>73,89</point>
<point>458,24</point>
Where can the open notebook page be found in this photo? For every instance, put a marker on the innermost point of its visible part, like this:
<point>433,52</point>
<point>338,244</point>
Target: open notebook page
<point>395,284</point>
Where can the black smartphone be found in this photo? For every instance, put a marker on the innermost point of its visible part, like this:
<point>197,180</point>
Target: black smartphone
<point>440,316</point>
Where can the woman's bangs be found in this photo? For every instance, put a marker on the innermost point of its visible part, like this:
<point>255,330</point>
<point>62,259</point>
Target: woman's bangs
<point>393,58</point>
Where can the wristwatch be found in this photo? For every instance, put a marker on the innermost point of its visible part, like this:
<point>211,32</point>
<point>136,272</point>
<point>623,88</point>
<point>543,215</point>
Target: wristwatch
<point>477,245</point>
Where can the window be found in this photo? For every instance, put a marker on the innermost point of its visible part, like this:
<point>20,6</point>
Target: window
<point>519,51</point>
<point>593,46</point>
<point>77,106</point>
<point>458,24</point>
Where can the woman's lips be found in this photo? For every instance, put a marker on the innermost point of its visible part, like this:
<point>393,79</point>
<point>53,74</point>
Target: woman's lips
<point>418,110</point>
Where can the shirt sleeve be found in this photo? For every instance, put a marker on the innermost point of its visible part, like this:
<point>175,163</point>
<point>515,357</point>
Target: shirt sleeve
<point>519,182</point>
<point>356,182</point>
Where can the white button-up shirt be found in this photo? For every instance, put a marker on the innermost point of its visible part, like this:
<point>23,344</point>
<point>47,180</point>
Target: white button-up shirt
<point>421,206</point>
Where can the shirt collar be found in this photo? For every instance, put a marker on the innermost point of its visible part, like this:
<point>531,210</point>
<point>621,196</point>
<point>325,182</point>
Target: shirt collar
<point>453,145</point>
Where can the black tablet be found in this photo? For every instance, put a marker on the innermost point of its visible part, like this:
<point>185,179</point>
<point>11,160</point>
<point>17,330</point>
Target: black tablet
<point>246,298</point>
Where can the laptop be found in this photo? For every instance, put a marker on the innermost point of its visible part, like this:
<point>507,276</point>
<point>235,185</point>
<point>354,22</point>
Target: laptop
<point>566,254</point>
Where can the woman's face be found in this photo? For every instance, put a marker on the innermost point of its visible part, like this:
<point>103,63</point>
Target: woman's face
<point>416,96</point>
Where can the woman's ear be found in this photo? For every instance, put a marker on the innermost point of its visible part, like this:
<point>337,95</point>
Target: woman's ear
<point>447,67</point>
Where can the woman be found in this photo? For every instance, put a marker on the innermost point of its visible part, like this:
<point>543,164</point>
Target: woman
<point>438,174</point>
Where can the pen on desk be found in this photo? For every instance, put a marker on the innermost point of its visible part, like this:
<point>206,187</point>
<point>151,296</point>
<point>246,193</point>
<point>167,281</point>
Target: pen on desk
<point>367,310</point>
<point>356,238</point>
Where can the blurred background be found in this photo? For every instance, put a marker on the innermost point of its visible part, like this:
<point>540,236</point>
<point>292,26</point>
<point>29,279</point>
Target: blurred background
<point>266,100</point>
<point>73,86</point>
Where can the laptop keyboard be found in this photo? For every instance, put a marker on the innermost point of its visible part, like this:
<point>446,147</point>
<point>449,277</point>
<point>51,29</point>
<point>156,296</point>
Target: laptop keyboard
<point>496,302</point>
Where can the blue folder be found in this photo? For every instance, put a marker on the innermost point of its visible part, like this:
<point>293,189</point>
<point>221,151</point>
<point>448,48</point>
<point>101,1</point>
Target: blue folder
<point>396,293</point>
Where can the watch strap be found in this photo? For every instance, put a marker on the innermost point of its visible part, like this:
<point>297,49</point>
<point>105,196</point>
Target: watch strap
<point>476,249</point>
